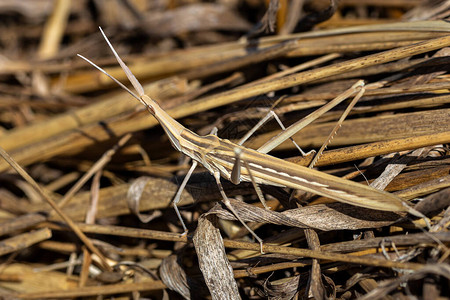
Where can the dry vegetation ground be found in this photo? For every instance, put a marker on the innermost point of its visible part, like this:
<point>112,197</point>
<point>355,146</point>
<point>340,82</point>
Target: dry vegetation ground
<point>70,225</point>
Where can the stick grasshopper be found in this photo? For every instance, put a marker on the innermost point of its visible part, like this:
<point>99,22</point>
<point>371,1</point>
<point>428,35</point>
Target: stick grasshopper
<point>236,163</point>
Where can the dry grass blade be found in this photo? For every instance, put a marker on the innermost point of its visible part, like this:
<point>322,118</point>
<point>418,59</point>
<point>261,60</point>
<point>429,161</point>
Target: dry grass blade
<point>110,289</point>
<point>23,241</point>
<point>54,30</point>
<point>52,203</point>
<point>384,289</point>
<point>351,153</point>
<point>399,241</point>
<point>21,222</point>
<point>353,259</point>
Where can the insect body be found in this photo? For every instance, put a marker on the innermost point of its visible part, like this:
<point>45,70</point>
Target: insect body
<point>223,158</point>
<point>220,156</point>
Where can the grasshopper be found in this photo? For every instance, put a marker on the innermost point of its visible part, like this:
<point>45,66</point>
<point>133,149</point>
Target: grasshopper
<point>236,163</point>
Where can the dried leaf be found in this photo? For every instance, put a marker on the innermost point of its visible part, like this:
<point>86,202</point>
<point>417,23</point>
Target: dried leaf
<point>315,285</point>
<point>173,275</point>
<point>283,289</point>
<point>213,261</point>
<point>394,168</point>
<point>435,202</point>
<point>332,216</point>
<point>134,195</point>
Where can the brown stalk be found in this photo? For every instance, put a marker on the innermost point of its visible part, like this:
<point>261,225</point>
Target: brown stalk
<point>166,236</point>
<point>52,203</point>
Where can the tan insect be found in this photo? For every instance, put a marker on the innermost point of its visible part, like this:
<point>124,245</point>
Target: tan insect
<point>236,163</point>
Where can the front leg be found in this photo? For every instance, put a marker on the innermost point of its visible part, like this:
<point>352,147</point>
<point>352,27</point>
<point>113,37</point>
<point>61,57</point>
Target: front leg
<point>180,190</point>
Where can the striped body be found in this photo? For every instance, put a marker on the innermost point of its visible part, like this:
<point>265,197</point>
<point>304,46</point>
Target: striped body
<point>219,155</point>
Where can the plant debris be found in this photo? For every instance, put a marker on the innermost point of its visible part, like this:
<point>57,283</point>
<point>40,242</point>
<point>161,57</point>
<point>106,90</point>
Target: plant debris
<point>87,176</point>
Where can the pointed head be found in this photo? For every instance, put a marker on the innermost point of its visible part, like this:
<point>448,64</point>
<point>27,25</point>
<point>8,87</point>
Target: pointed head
<point>149,103</point>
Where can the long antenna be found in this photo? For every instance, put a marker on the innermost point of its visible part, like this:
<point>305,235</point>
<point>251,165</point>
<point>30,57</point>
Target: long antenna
<point>110,76</point>
<point>138,87</point>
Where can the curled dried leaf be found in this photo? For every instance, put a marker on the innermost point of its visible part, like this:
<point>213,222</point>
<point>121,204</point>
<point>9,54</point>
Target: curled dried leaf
<point>174,276</point>
<point>282,289</point>
<point>134,196</point>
